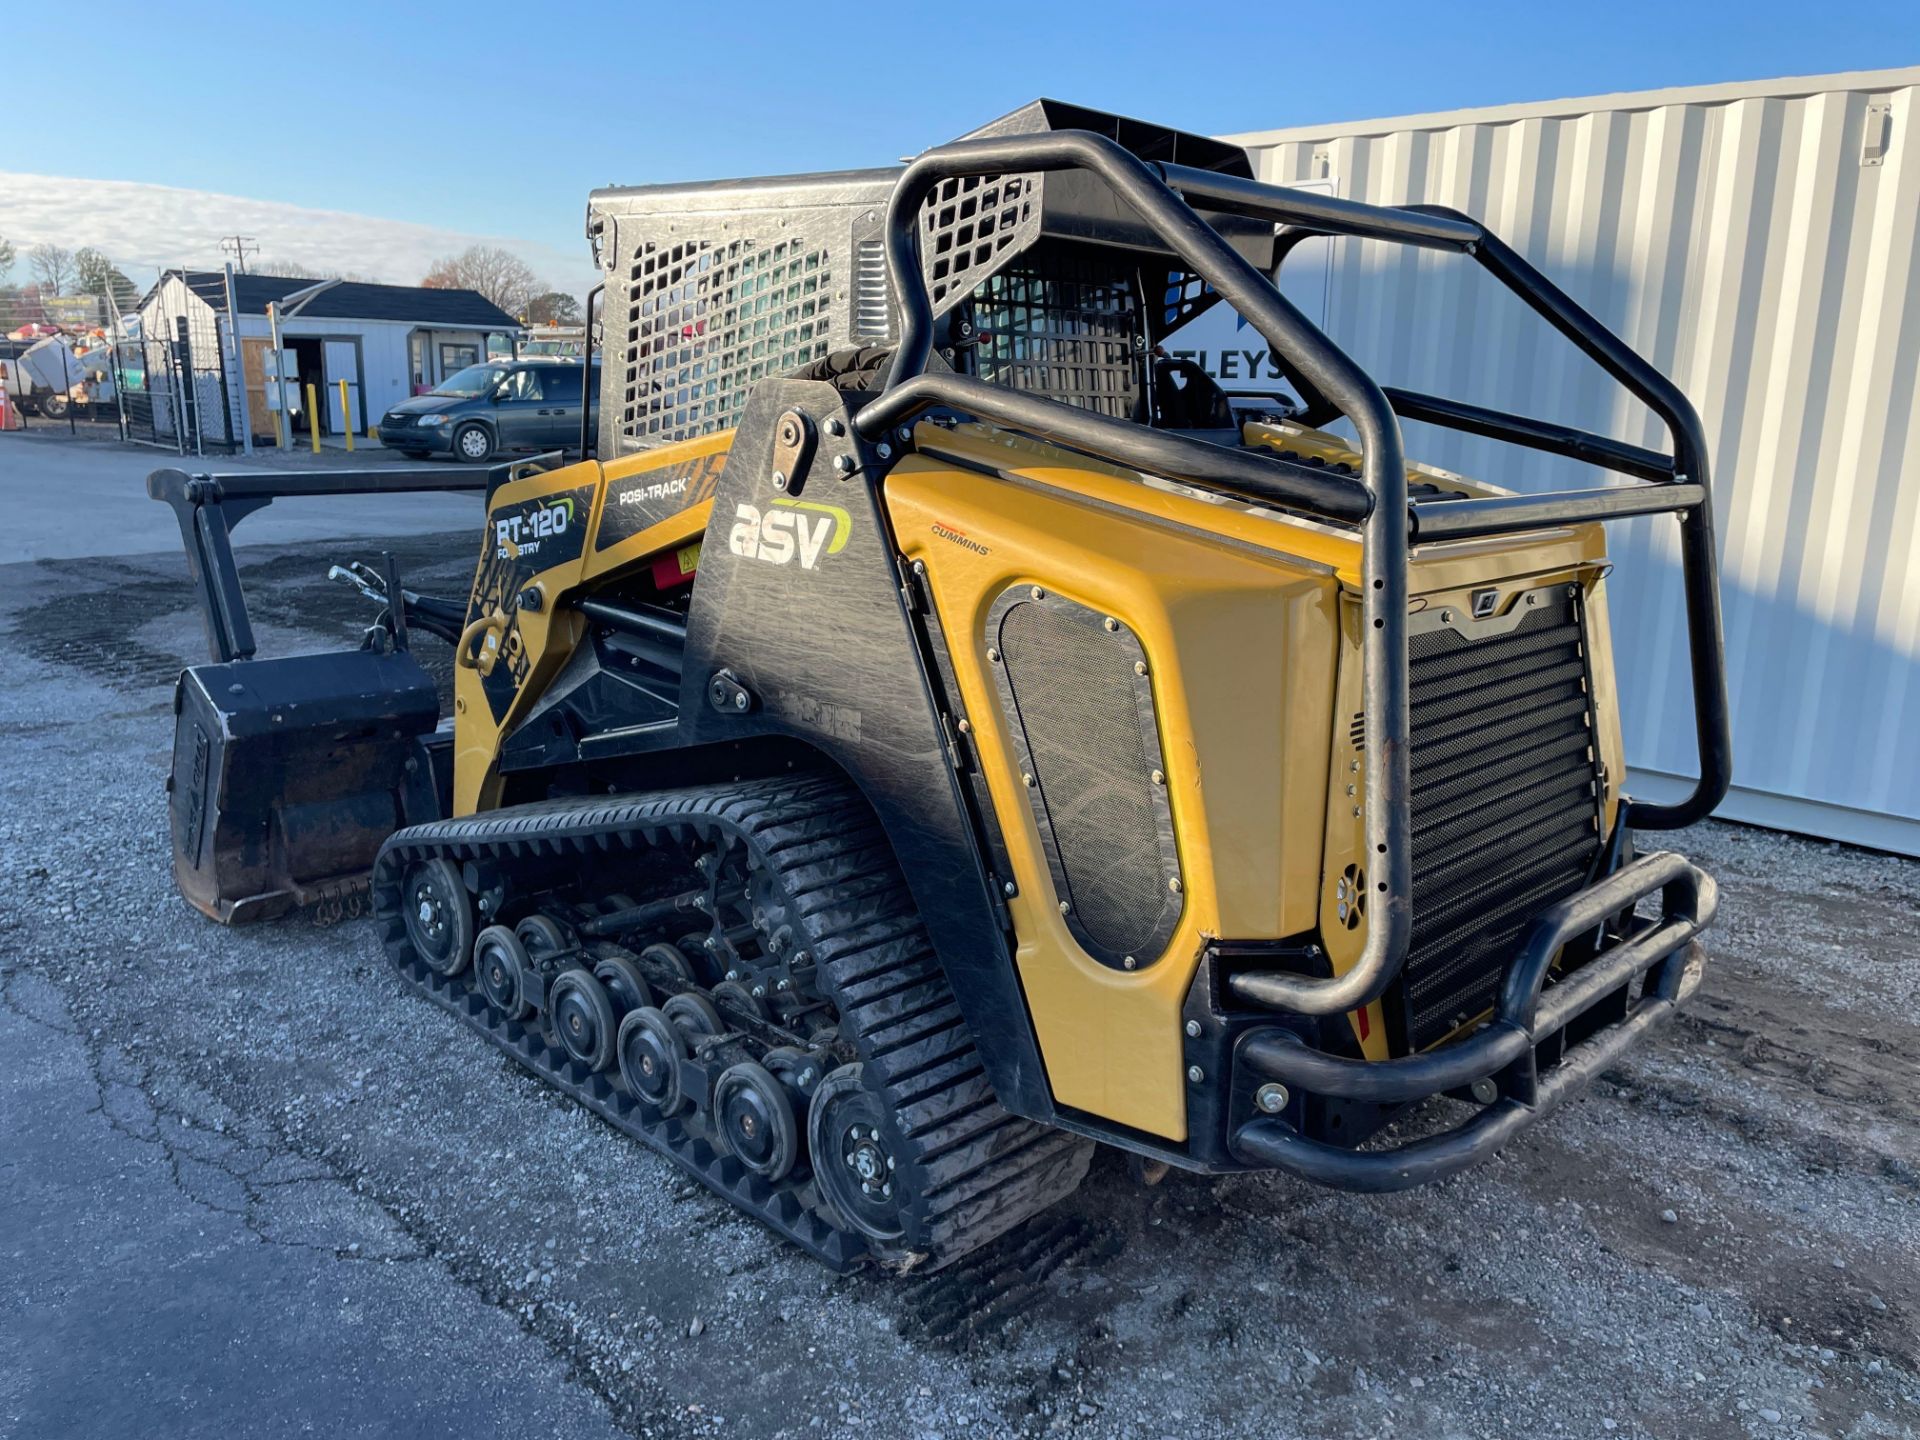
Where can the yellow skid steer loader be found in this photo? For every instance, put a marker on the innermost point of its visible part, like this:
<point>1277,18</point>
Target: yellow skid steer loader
<point>938,730</point>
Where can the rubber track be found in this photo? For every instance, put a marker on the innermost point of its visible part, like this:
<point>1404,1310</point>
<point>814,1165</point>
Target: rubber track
<point>976,1169</point>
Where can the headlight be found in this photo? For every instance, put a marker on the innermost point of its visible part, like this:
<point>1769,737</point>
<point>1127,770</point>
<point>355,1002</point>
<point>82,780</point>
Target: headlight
<point>435,419</point>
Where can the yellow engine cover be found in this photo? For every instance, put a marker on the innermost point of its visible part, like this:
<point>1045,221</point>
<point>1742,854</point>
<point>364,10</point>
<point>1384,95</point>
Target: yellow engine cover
<point>1241,646</point>
<point>1240,615</point>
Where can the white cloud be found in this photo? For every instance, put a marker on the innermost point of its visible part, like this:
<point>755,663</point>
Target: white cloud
<point>148,228</point>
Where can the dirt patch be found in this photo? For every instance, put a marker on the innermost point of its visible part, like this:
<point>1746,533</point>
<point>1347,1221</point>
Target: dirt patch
<point>98,618</point>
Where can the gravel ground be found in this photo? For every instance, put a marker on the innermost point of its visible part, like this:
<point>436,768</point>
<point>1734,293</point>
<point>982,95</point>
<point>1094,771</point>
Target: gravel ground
<point>208,1138</point>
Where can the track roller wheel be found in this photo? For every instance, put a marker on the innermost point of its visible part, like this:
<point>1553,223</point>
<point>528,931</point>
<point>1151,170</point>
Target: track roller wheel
<point>625,985</point>
<point>438,915</point>
<point>582,1017</point>
<point>854,1160</point>
<point>651,1048</point>
<point>541,937</point>
<point>735,996</point>
<point>754,1117</point>
<point>785,1062</point>
<point>502,963</point>
<point>671,959</point>
<point>694,1015</point>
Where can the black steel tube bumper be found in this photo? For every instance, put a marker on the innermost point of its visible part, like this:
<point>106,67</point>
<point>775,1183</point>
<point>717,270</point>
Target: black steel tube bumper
<point>1503,1051</point>
<point>1543,435</point>
<point>1324,214</point>
<point>1246,474</point>
<point>1435,520</point>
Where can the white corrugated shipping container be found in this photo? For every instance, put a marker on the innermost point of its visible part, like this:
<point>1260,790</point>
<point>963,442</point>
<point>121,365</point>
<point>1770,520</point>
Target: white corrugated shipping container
<point>1758,243</point>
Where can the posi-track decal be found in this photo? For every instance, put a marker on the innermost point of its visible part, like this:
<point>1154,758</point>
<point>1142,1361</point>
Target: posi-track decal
<point>524,538</point>
<point>638,501</point>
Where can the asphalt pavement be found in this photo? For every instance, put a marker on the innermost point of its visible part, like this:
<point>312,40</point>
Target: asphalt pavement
<point>176,1272</point>
<point>75,496</point>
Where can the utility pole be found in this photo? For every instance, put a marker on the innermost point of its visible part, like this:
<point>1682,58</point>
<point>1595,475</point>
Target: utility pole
<point>239,364</point>
<point>240,246</point>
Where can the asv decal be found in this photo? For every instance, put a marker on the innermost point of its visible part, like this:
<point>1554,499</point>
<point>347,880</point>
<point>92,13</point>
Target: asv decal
<point>521,534</point>
<point>790,528</point>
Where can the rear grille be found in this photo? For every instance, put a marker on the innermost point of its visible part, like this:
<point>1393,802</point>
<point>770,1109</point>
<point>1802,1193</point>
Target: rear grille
<point>1506,802</point>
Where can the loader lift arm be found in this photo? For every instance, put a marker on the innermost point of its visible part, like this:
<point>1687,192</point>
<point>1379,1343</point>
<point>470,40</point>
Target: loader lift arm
<point>208,507</point>
<point>289,771</point>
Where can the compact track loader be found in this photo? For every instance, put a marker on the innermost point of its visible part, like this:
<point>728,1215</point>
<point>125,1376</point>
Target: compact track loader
<point>939,731</point>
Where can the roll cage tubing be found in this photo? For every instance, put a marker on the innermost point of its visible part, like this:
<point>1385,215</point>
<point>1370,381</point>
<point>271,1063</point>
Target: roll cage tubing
<point>1375,502</point>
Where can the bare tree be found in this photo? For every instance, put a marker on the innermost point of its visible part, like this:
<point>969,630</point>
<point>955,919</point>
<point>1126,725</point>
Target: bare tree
<point>554,307</point>
<point>300,270</point>
<point>290,269</point>
<point>6,256</point>
<point>500,275</point>
<point>95,274</point>
<point>52,267</point>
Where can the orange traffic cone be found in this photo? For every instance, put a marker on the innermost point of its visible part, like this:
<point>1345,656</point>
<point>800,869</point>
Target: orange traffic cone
<point>10,416</point>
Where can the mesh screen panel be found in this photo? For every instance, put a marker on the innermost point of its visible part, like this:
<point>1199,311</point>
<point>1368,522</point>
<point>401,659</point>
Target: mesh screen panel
<point>1183,296</point>
<point>705,299</point>
<point>708,318</point>
<point>1062,324</point>
<point>1074,690</point>
<point>968,222</point>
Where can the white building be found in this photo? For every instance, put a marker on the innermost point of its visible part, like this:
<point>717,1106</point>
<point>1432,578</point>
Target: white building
<point>1758,242</point>
<point>386,341</point>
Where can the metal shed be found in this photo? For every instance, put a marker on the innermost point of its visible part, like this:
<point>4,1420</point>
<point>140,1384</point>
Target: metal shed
<point>1758,242</point>
<point>386,342</point>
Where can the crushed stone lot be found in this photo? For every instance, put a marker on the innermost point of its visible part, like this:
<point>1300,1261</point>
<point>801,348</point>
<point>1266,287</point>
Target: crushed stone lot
<point>248,1183</point>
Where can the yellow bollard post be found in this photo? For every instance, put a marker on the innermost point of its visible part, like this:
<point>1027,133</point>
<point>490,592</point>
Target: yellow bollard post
<point>346,416</point>
<point>313,418</point>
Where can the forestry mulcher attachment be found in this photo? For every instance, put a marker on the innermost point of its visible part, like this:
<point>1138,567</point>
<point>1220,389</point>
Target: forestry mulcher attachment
<point>940,731</point>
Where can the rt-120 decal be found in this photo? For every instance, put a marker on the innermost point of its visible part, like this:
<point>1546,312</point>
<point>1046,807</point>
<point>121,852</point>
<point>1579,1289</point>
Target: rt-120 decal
<point>524,538</point>
<point>520,533</point>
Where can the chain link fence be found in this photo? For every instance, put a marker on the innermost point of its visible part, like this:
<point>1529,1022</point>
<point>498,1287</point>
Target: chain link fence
<point>164,373</point>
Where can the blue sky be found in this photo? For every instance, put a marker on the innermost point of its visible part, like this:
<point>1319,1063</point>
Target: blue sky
<point>497,118</point>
